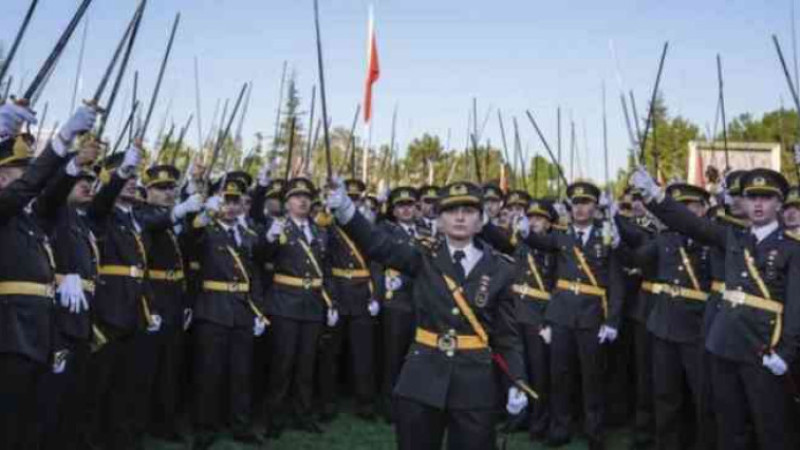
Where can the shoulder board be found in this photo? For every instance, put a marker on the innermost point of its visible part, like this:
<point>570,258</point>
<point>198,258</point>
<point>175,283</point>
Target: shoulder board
<point>731,220</point>
<point>198,222</point>
<point>507,258</point>
<point>249,231</point>
<point>559,227</point>
<point>427,242</point>
<point>627,214</point>
<point>793,235</point>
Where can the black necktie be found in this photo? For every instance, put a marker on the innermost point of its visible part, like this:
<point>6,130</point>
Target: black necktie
<point>580,238</point>
<point>232,234</point>
<point>459,256</point>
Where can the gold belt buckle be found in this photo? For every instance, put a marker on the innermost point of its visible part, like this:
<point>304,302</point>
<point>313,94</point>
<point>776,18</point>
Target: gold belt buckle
<point>307,283</point>
<point>171,275</point>
<point>447,343</point>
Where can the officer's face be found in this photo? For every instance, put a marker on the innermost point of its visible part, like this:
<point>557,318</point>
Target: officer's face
<point>762,209</point>
<point>504,218</point>
<point>737,206</point>
<point>273,207</point>
<point>404,212</point>
<point>81,193</point>
<point>298,205</point>
<point>698,208</point>
<point>428,209</point>
<point>638,207</point>
<point>162,195</point>
<point>517,210</point>
<point>539,224</point>
<point>128,193</point>
<point>9,175</point>
<point>791,217</point>
<point>461,222</point>
<point>583,211</point>
<point>492,207</point>
<point>231,209</point>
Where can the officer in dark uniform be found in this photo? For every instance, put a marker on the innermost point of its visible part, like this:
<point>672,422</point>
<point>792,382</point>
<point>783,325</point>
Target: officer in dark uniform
<point>27,268</point>
<point>299,305</point>
<point>464,311</point>
<point>396,287</point>
<point>227,315</point>
<point>492,200</point>
<point>680,291</point>
<point>428,196</point>
<point>754,336</point>
<point>354,291</point>
<point>584,312</point>
<point>791,211</point>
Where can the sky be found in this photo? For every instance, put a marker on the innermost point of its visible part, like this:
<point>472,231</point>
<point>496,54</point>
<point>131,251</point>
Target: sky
<point>435,57</point>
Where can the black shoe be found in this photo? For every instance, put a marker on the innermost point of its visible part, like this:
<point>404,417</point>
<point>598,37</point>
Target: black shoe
<point>557,441</point>
<point>248,437</point>
<point>203,442</point>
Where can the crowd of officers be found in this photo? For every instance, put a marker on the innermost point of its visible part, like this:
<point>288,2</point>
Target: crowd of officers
<point>130,298</point>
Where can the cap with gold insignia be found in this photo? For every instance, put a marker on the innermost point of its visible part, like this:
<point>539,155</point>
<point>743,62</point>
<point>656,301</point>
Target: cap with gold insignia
<point>461,193</point>
<point>764,182</point>
<point>141,193</point>
<point>16,151</point>
<point>245,177</point>
<point>793,197</point>
<point>429,192</point>
<point>355,188</point>
<point>518,198</point>
<point>233,187</point>
<point>684,192</point>
<point>492,192</point>
<point>275,189</point>
<point>402,194</point>
<point>299,186</point>
<point>543,208</point>
<point>733,182</point>
<point>372,201</point>
<point>162,175</point>
<point>88,175</point>
<point>110,164</point>
<point>583,190</point>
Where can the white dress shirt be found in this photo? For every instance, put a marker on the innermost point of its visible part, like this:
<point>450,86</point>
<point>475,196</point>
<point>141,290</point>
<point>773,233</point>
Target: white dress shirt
<point>471,258</point>
<point>587,231</point>
<point>235,229</point>
<point>305,228</point>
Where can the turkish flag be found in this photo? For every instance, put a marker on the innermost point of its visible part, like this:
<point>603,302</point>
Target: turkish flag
<point>373,68</point>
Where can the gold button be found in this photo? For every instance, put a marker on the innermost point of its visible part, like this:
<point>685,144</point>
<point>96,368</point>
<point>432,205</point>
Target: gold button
<point>451,353</point>
<point>456,311</point>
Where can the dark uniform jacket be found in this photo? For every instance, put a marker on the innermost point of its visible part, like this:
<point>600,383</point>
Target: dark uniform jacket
<point>530,310</point>
<point>166,272</point>
<point>26,320</point>
<point>399,299</point>
<point>465,379</point>
<point>741,332</point>
<point>352,294</point>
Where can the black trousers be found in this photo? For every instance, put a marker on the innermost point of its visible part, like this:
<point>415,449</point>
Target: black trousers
<point>746,390</point>
<point>675,365</point>
<point>62,400</point>
<point>294,353</point>
<point>19,377</point>
<point>644,422</point>
<point>620,373</point>
<point>168,357</point>
<point>573,352</point>
<point>357,335</point>
<point>422,427</point>
<point>537,353</point>
<point>222,374</point>
<point>398,334</point>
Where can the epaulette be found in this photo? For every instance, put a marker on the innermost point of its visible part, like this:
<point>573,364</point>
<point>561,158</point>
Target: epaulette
<point>507,258</point>
<point>730,219</point>
<point>626,214</point>
<point>323,219</point>
<point>427,242</point>
<point>559,227</point>
<point>249,231</point>
<point>793,235</point>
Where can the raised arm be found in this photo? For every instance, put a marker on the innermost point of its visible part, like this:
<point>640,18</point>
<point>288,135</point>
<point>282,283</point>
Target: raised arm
<point>378,245</point>
<point>677,217</point>
<point>17,195</point>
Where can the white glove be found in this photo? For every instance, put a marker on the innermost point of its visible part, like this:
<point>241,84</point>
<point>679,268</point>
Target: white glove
<point>259,326</point>
<point>263,175</point>
<point>192,204</point>
<point>82,121</point>
<point>275,230</point>
<point>797,153</point>
<point>393,283</point>
<point>522,226</point>
<point>611,234</point>
<point>131,160</point>
<point>71,293</point>
<point>517,401</point>
<point>333,317</point>
<point>12,117</point>
<point>187,318</point>
<point>155,323</point>
<point>546,334</point>
<point>645,182</point>
<point>368,213</point>
<point>59,361</point>
<point>775,364</point>
<point>213,204</point>
<point>374,307</point>
<point>605,200</point>
<point>338,202</point>
<point>607,334</point>
<point>383,195</point>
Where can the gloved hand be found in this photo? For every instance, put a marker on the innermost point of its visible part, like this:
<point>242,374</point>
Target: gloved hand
<point>775,364</point>
<point>607,334</point>
<point>12,117</point>
<point>264,175</point>
<point>333,317</point>
<point>383,195</point>
<point>645,182</point>
<point>605,200</point>
<point>275,230</point>
<point>522,226</point>
<point>561,209</point>
<point>82,121</point>
<point>59,361</point>
<point>155,323</point>
<point>71,294</point>
<point>259,326</point>
<point>546,334</point>
<point>130,162</point>
<point>188,315</point>
<point>517,401</point>
<point>192,204</point>
<point>338,201</point>
<point>213,204</point>
<point>611,234</point>
<point>393,283</point>
<point>374,307</point>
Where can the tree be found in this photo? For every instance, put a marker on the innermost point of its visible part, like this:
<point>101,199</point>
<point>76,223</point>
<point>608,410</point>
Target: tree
<point>780,125</point>
<point>668,142</point>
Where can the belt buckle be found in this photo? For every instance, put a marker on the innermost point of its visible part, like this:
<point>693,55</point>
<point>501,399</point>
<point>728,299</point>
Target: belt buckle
<point>171,275</point>
<point>348,274</point>
<point>447,343</point>
<point>307,283</point>
<point>736,298</point>
<point>233,287</point>
<point>674,291</point>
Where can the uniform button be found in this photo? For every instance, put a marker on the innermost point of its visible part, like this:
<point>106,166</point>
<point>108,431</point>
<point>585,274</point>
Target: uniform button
<point>680,268</point>
<point>744,274</point>
<point>456,311</point>
<point>450,354</point>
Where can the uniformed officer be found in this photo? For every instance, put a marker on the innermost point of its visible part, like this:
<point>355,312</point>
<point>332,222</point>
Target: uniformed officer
<point>754,335</point>
<point>584,312</point>
<point>464,308</point>
<point>228,313</point>
<point>27,269</point>
<point>492,200</point>
<point>791,210</point>
<point>428,196</point>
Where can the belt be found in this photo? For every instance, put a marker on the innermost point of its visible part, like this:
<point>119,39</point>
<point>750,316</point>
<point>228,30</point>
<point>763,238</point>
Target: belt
<point>224,286</point>
<point>305,283</point>
<point>718,286</point>
<point>166,275</point>
<point>527,291</point>
<point>27,288</point>
<point>121,271</point>
<point>351,274</point>
<point>194,265</point>
<point>738,298</point>
<point>580,288</point>
<point>449,342</point>
<point>675,291</point>
<point>87,285</point>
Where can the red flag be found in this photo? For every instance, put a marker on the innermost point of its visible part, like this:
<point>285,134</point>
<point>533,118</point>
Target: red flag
<point>373,69</point>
